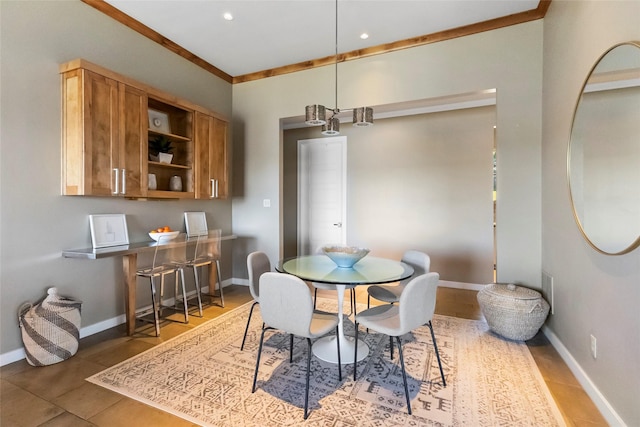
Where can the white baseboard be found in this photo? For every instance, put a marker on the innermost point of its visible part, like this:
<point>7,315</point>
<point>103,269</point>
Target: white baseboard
<point>243,282</point>
<point>102,326</point>
<point>461,285</point>
<point>592,391</point>
<point>589,387</point>
<point>19,354</point>
<point>12,356</point>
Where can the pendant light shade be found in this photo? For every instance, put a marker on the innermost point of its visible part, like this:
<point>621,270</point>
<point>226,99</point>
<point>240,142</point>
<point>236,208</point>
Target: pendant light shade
<point>315,115</point>
<point>332,127</point>
<point>363,116</point>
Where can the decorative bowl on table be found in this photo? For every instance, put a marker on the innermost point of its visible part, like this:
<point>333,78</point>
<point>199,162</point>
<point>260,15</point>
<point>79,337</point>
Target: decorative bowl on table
<point>345,256</point>
<point>166,236</point>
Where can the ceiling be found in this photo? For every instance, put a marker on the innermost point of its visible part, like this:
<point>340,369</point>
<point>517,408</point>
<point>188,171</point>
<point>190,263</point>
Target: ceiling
<point>269,37</point>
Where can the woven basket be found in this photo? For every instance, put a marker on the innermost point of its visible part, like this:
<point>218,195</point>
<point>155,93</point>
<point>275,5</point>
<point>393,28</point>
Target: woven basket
<point>514,312</point>
<point>50,329</point>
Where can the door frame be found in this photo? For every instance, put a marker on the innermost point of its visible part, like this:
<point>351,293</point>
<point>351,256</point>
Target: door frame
<point>302,184</point>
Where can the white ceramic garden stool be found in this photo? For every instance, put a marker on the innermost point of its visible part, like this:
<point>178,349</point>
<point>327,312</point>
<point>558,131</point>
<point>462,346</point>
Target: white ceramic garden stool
<point>514,312</point>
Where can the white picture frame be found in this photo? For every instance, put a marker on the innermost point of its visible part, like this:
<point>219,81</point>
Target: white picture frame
<point>159,121</point>
<point>108,230</point>
<point>196,223</point>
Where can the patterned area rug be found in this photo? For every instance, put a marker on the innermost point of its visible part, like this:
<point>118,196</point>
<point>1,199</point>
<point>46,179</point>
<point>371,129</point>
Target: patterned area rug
<point>202,376</point>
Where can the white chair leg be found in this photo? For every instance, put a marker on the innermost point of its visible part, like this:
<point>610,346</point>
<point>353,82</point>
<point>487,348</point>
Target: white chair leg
<point>246,329</point>
<point>306,392</point>
<point>435,347</point>
<point>404,375</point>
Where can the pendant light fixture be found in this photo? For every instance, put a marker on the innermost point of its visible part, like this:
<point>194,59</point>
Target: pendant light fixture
<point>363,116</point>
<point>316,114</point>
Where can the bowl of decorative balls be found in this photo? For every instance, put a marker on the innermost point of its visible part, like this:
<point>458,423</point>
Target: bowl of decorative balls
<point>165,233</point>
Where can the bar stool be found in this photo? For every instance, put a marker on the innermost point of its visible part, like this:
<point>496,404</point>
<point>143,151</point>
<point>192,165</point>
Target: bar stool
<point>207,253</point>
<point>207,249</point>
<point>192,262</point>
<point>168,258</point>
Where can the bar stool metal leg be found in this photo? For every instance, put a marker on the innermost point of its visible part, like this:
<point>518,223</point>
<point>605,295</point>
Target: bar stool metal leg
<point>219,282</point>
<point>179,285</point>
<point>154,307</point>
<point>198,289</point>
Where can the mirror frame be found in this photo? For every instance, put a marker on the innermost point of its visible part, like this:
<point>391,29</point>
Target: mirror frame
<point>635,243</point>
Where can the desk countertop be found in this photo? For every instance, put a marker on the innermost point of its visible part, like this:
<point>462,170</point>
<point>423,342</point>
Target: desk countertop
<point>111,251</point>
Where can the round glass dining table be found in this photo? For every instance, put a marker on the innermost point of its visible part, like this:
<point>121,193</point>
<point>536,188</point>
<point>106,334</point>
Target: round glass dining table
<point>367,271</point>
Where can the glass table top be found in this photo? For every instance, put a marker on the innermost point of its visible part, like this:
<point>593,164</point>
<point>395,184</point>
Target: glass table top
<point>369,270</point>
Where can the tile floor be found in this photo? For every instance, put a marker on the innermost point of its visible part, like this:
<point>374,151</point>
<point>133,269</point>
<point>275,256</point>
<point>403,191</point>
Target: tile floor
<point>58,395</point>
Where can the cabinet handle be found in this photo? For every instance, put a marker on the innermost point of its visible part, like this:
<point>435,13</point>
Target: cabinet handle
<point>115,172</point>
<point>124,181</point>
<point>213,188</point>
<point>216,188</point>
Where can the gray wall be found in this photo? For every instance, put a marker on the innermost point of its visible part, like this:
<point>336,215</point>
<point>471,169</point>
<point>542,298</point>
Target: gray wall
<point>37,223</point>
<point>419,182</point>
<point>509,60</point>
<point>594,293</point>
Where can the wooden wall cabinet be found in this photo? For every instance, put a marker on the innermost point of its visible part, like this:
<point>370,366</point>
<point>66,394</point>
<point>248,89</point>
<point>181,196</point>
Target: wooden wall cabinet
<point>104,136</point>
<point>108,122</point>
<point>211,163</point>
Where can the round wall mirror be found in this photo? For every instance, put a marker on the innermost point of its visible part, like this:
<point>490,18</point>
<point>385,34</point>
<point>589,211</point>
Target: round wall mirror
<point>603,160</point>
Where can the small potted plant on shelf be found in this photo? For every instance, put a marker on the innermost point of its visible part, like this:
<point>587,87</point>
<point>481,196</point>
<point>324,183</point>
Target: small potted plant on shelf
<point>160,149</point>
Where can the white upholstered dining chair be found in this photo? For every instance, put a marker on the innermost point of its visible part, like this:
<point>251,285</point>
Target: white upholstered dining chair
<point>286,305</point>
<point>257,264</point>
<point>415,308</point>
<point>391,293</point>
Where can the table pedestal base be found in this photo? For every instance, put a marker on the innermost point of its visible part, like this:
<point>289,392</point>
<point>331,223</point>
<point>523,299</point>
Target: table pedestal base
<point>326,349</point>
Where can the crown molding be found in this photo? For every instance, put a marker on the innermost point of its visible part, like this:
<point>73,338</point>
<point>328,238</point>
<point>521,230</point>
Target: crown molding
<point>492,24</point>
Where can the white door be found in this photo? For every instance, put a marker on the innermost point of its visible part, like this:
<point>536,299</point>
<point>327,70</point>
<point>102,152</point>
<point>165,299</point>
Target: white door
<point>321,192</point>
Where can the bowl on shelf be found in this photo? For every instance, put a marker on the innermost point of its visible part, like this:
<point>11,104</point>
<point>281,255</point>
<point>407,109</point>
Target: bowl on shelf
<point>166,236</point>
<point>345,256</point>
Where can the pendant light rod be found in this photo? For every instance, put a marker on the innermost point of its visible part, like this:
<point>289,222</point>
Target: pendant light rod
<point>316,114</point>
<point>336,110</point>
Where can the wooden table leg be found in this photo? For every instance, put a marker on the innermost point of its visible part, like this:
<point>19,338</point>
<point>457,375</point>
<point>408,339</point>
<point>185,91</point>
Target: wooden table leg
<point>129,267</point>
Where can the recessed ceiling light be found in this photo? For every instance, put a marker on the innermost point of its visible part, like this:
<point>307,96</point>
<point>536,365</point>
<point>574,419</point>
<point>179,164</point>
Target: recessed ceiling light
<point>364,36</point>
<point>228,16</point>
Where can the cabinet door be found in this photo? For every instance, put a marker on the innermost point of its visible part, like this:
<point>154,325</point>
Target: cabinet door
<point>132,152</point>
<point>211,160</point>
<point>104,134</point>
<point>90,130</point>
<point>101,134</point>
